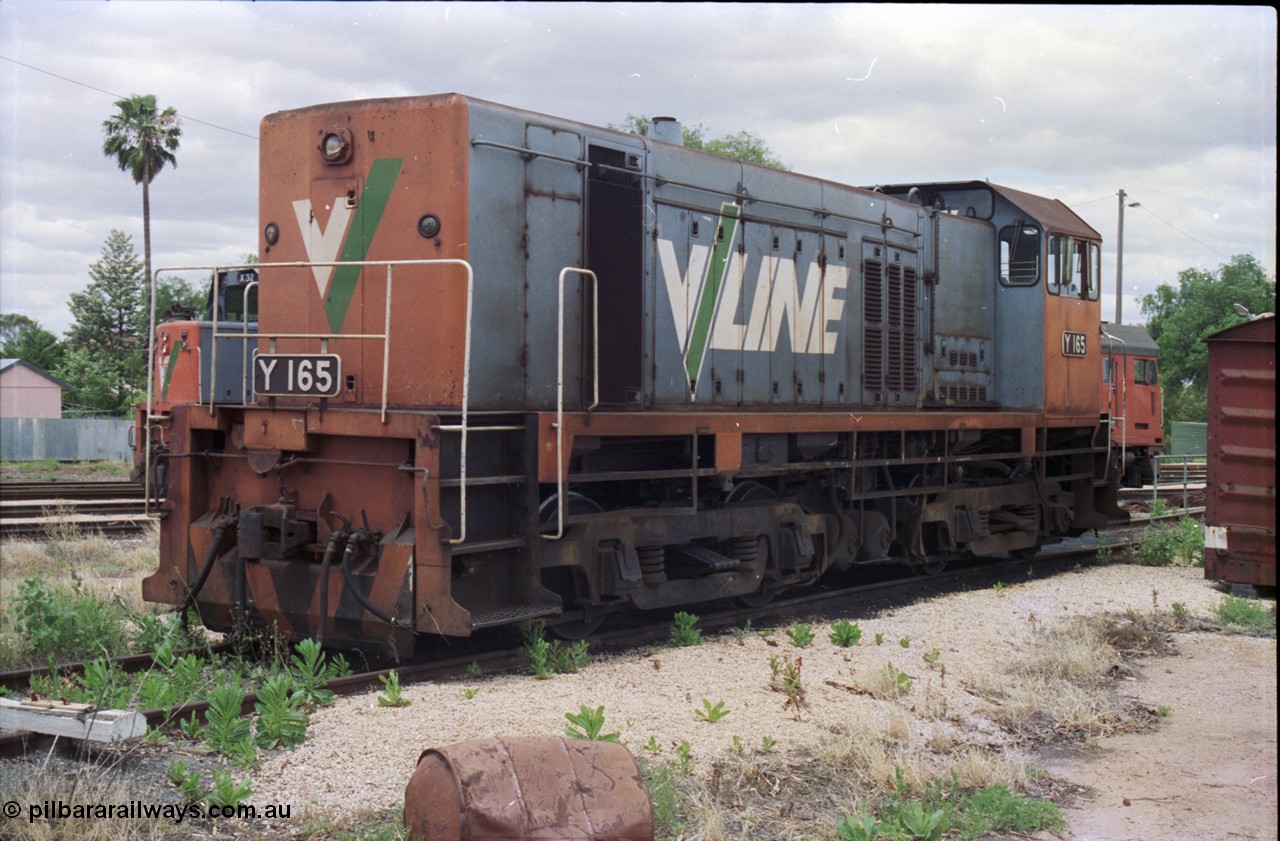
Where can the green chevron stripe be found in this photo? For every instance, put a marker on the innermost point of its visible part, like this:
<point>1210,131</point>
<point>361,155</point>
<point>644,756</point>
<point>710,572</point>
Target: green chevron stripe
<point>373,201</point>
<point>700,335</point>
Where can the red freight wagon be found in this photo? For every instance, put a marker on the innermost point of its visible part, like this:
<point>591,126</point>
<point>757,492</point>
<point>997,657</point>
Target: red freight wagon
<point>1240,505</point>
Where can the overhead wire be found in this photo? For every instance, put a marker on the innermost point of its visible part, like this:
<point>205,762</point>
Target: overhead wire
<point>122,96</point>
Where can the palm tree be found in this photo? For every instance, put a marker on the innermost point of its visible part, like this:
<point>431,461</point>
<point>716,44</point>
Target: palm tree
<point>142,141</point>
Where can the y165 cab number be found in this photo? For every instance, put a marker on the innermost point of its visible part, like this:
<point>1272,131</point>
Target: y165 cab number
<point>297,375</point>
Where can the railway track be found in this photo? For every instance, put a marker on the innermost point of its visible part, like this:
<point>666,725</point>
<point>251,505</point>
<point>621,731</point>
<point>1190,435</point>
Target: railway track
<point>493,653</point>
<point>36,509</point>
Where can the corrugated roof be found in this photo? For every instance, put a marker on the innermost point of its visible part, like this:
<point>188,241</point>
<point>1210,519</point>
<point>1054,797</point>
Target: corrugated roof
<point>1128,338</point>
<point>1051,213</point>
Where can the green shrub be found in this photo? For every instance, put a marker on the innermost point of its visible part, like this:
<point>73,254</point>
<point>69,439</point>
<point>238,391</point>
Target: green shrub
<point>1247,614</point>
<point>280,722</point>
<point>845,634</point>
<point>683,634</point>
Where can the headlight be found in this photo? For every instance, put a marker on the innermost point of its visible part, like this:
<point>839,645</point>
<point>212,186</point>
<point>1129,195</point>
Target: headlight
<point>336,146</point>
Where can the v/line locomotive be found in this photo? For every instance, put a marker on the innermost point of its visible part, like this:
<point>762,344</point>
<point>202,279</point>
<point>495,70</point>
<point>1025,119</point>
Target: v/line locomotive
<point>1132,398</point>
<point>496,366</point>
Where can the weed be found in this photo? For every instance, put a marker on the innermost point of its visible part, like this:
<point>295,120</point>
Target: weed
<point>879,638</point>
<point>999,587</point>
<point>711,714</point>
<point>800,634</point>
<point>767,743</point>
<point>547,658</point>
<point>280,723</point>
<point>683,634</point>
<point>312,672</point>
<point>1163,545</point>
<point>227,792</point>
<point>931,657</point>
<point>1180,612</point>
<point>474,669</point>
<point>662,782</point>
<point>996,808</point>
<point>652,746</point>
<point>1248,615</point>
<point>1159,508</point>
<point>1162,710</point>
<point>588,724</point>
<point>905,642</point>
<point>187,782</point>
<point>192,728</point>
<point>225,731</point>
<point>684,756</point>
<point>69,623</point>
<point>901,680</point>
<point>394,694</point>
<point>845,634</point>
<point>468,694</point>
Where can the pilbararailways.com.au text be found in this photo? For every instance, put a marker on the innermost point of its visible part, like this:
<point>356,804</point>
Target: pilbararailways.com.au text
<point>137,810</point>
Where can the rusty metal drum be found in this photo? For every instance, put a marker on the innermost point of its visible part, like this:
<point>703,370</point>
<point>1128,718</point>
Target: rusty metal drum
<point>508,788</point>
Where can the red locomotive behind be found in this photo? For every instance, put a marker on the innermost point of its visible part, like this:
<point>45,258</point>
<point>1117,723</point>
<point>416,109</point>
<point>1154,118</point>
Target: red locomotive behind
<point>507,366</point>
<point>1131,396</point>
<point>1240,500</point>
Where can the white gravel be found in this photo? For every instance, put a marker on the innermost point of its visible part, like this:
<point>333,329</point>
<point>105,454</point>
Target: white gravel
<point>359,755</point>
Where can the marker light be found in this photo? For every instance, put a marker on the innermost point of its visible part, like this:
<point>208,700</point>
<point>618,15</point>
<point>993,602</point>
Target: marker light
<point>429,226</point>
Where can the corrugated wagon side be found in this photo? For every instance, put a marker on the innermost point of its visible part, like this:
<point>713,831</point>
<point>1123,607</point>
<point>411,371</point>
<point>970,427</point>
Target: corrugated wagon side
<point>1240,505</point>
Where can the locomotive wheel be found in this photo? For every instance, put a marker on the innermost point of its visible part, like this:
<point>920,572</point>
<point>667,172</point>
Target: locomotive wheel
<point>754,492</point>
<point>548,513</point>
<point>749,492</point>
<point>928,567</point>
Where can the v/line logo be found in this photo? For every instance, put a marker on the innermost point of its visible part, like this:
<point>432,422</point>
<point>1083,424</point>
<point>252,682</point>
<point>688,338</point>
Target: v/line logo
<point>705,300</point>
<point>334,242</point>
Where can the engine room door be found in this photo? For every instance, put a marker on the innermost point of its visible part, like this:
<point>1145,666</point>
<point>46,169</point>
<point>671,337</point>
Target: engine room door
<point>615,237</point>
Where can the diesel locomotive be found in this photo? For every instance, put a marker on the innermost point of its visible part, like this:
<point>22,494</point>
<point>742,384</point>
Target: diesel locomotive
<point>496,366</point>
<point>1132,398</point>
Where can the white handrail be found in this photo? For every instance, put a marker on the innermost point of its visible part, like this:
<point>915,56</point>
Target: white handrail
<point>385,335</point>
<point>595,390</point>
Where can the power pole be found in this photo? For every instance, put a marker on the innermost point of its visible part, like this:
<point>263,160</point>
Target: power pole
<point>1120,258</point>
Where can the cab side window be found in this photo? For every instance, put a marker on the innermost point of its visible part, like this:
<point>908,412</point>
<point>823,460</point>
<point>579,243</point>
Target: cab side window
<point>1144,371</point>
<point>1019,255</point>
<point>1075,267</point>
<point>1106,369</point>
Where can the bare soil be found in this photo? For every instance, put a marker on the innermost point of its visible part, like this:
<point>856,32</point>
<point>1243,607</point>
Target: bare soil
<point>1207,772</point>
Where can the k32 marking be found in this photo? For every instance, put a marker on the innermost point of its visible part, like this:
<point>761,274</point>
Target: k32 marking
<point>1074,344</point>
<point>297,375</point>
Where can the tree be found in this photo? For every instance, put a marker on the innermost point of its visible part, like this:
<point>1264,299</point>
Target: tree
<point>174,294</point>
<point>744,146</point>
<point>33,343</point>
<point>143,141</point>
<point>105,359</point>
<point>1201,305</point>
<point>11,323</point>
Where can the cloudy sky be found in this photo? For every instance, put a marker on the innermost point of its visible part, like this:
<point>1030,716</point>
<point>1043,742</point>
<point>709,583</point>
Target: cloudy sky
<point>1176,105</point>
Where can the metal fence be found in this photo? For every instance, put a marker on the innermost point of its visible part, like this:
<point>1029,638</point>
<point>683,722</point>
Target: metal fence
<point>1188,471</point>
<point>65,439</point>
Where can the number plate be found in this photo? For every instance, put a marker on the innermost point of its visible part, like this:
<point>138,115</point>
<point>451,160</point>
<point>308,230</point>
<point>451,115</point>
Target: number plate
<point>1074,344</point>
<point>297,375</point>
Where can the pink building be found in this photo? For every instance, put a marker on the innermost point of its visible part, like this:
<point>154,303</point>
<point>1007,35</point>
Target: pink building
<point>28,392</point>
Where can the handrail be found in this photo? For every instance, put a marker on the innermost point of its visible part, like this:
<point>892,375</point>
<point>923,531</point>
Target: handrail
<point>385,335</point>
<point>1120,387</point>
<point>595,373</point>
